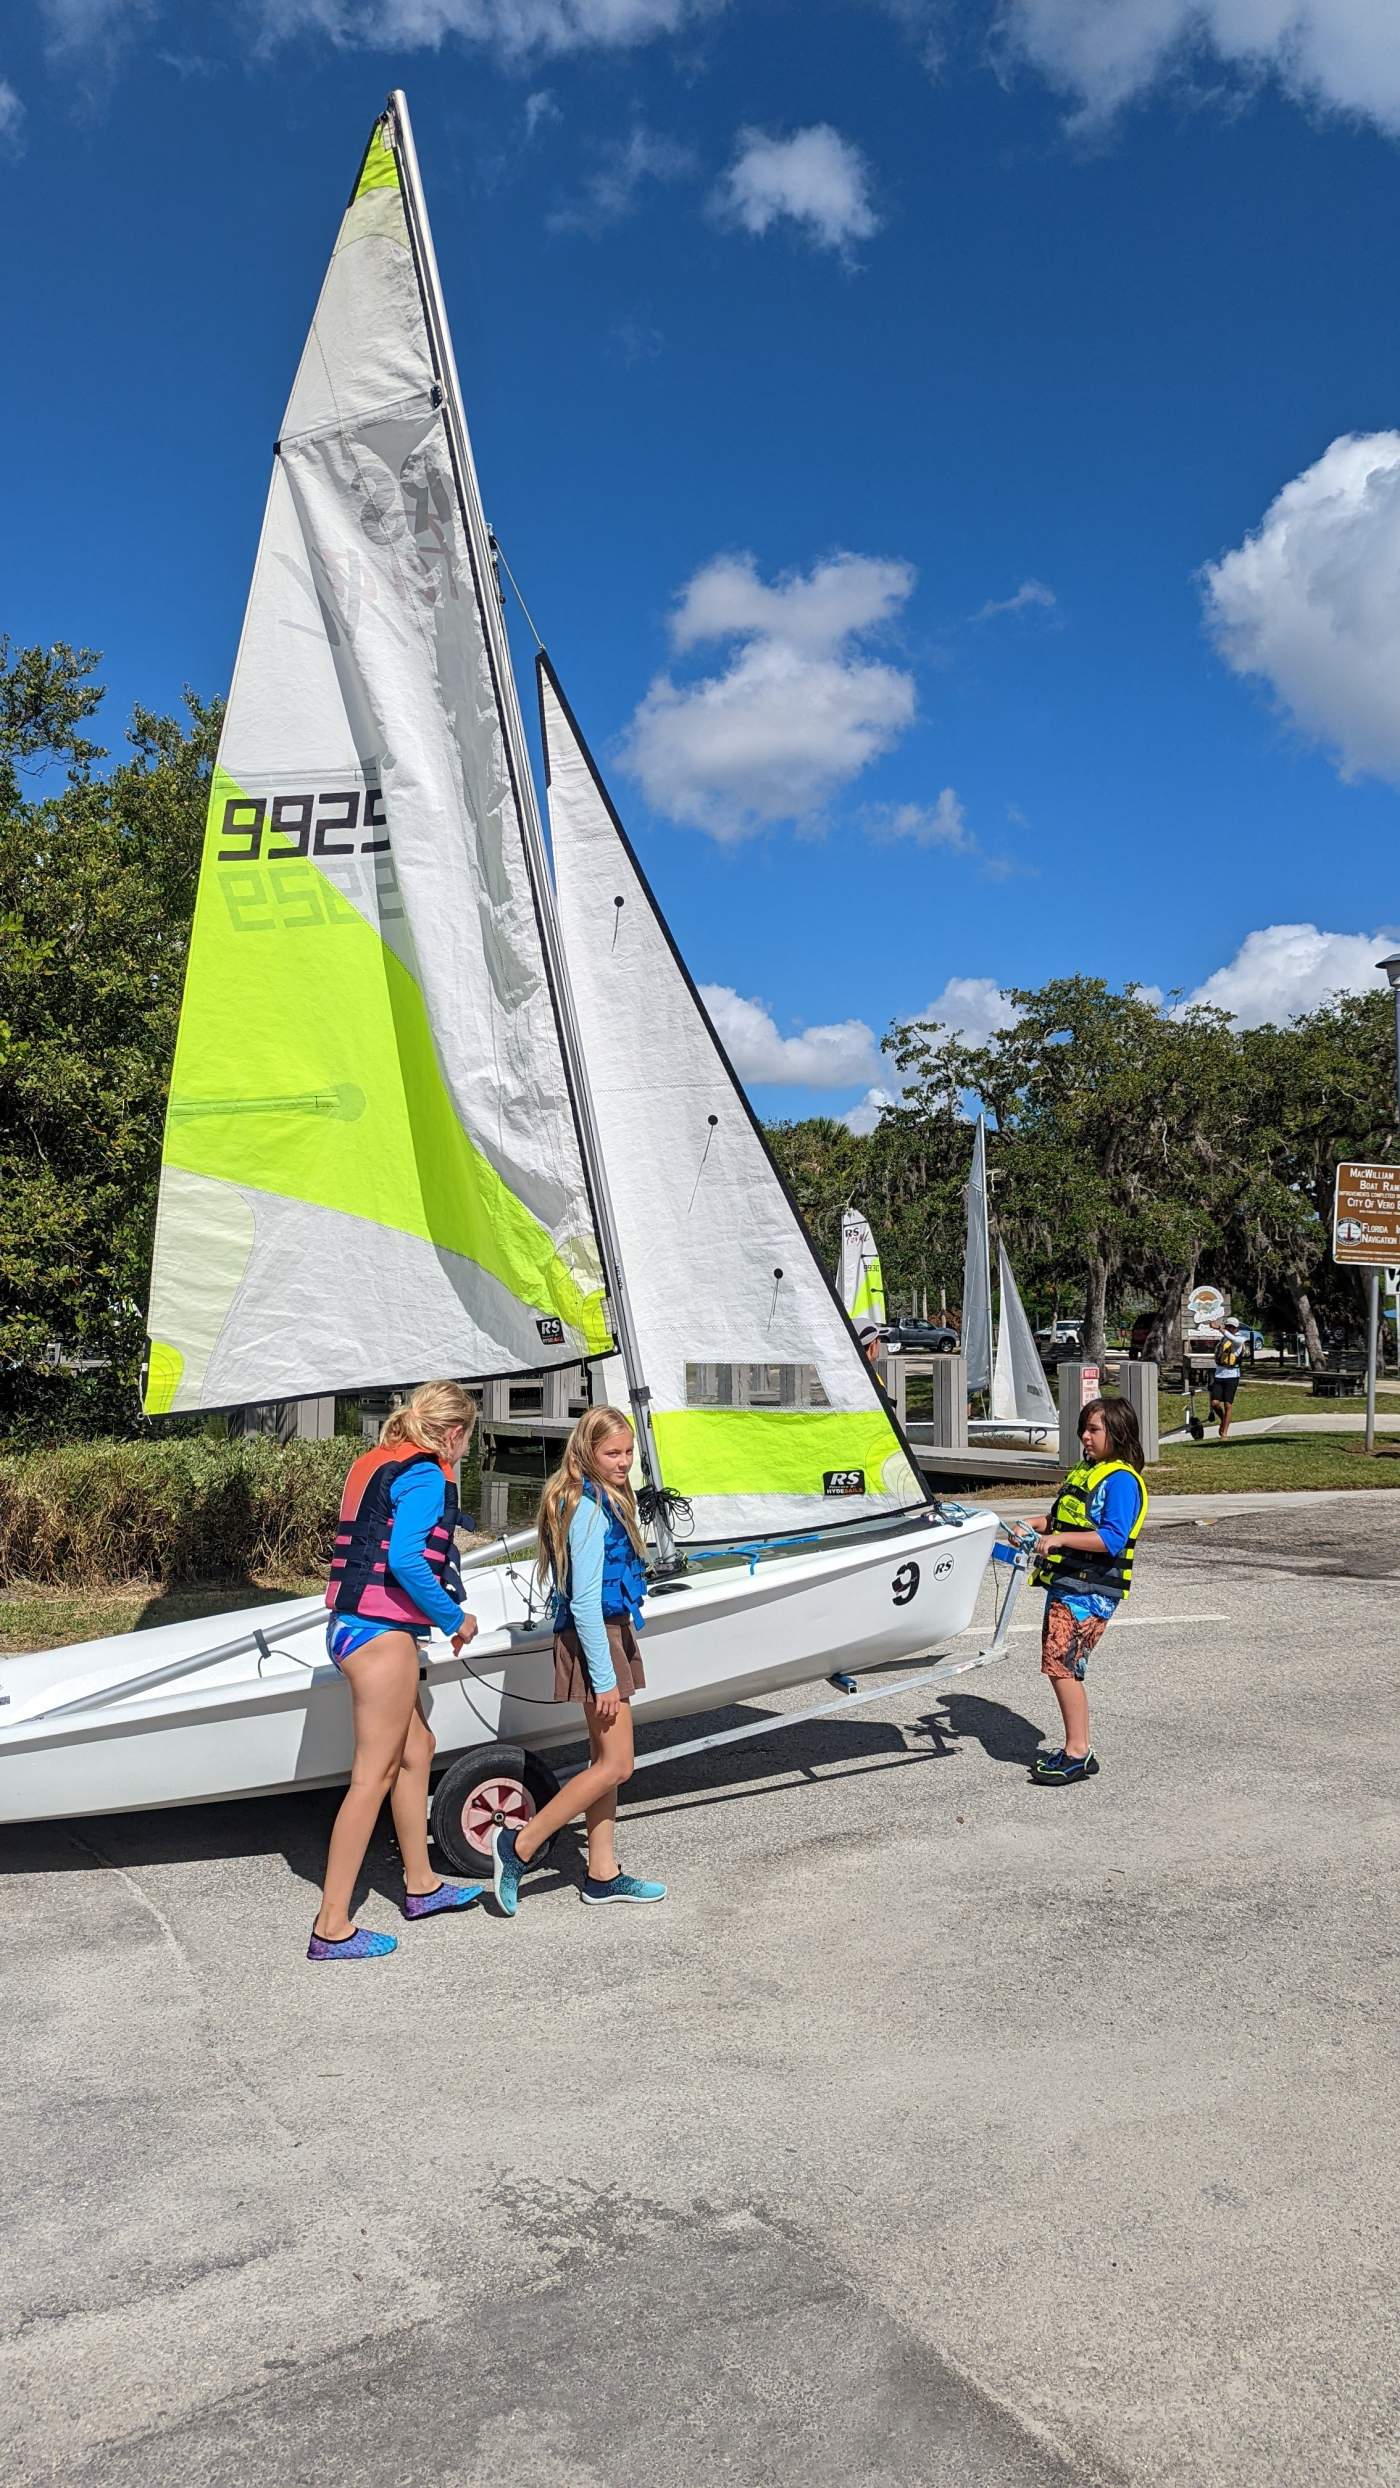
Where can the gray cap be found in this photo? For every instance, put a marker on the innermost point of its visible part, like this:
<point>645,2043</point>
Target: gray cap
<point>1231,1323</point>
<point>867,1328</point>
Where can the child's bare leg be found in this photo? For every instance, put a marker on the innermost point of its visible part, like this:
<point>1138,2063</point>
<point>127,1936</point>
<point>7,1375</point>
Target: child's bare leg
<point>383,1680</point>
<point>1074,1711</point>
<point>601,1816</point>
<point>408,1803</point>
<point>610,1742</point>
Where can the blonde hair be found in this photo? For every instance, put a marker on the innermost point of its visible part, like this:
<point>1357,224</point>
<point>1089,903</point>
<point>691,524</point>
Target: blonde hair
<point>563,1492</point>
<point>427,1418</point>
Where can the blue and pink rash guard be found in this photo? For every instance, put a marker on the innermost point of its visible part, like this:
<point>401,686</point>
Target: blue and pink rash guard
<point>417,1501</point>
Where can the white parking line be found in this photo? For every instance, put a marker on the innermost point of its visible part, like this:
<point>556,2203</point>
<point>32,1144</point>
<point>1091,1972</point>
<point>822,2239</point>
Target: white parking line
<point>1128,1619</point>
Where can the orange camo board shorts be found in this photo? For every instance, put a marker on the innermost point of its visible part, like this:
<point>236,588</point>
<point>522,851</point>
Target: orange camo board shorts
<point>1066,1640</point>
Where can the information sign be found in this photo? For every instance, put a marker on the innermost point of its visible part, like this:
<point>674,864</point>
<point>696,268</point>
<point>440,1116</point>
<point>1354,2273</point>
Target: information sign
<point>1205,1304</point>
<point>1366,1218</point>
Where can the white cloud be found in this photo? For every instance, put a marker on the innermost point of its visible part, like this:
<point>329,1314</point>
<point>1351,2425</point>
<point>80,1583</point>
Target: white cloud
<point>11,111</point>
<point>816,178</point>
<point>1311,601</point>
<point>540,109</point>
<point>79,29</point>
<point>611,191</point>
<point>1338,53</point>
<point>829,1057</point>
<point>798,711</point>
<point>1031,593</point>
<point>941,824</point>
<point>971,1007</point>
<point>515,29</point>
<point>863,1118</point>
<point>1285,969</point>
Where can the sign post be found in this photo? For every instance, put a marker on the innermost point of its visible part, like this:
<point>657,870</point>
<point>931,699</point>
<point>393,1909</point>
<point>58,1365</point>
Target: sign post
<point>1366,1236</point>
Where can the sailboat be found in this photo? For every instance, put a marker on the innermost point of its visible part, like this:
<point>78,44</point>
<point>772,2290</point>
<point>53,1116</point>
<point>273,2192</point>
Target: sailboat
<point>443,1105</point>
<point>1018,1396</point>
<point>861,1280</point>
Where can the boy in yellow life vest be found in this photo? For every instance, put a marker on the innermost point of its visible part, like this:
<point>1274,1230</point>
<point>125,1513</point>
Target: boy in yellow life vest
<point>1084,1561</point>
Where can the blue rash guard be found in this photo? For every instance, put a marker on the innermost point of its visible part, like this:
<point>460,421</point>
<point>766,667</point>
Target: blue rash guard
<point>588,1541</point>
<point>416,1499</point>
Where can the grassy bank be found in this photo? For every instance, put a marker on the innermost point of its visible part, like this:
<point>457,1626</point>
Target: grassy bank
<point>35,1618</point>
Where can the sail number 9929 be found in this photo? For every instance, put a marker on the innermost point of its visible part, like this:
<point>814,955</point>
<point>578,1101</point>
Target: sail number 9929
<point>270,828</point>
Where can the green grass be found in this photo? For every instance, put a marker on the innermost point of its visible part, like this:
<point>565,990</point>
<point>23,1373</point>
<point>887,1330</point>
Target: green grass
<point>35,1618</point>
<point>1274,1463</point>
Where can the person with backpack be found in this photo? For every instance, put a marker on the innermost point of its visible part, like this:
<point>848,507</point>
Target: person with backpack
<point>1225,1375</point>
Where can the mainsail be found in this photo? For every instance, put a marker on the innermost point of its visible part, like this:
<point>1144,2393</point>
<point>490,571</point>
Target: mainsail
<point>862,1284</point>
<point>977,1271</point>
<point>1019,1388</point>
<point>765,1414</point>
<point>371,1171</point>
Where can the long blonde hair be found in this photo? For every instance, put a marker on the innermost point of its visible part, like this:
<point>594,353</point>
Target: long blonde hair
<point>427,1418</point>
<point>563,1493</point>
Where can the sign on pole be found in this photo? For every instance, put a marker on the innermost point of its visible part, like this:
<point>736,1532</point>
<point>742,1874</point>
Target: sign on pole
<point>1205,1304</point>
<point>1366,1217</point>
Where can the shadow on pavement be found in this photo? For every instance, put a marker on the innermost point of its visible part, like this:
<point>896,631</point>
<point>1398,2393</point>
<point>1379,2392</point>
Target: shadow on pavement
<point>297,1825</point>
<point>1003,1734</point>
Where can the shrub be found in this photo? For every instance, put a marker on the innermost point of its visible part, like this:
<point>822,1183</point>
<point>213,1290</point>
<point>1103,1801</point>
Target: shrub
<point>79,1515</point>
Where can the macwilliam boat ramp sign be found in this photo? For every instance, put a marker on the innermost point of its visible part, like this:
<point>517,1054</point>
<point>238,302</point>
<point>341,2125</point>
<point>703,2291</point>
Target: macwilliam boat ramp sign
<point>1366,1216</point>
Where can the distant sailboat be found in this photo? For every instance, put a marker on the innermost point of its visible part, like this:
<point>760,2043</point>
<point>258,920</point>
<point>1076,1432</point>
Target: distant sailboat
<point>861,1282</point>
<point>443,1104</point>
<point>1019,1393</point>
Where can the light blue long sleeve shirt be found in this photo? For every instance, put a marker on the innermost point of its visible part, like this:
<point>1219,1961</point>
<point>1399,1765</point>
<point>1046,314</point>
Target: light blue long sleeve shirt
<point>416,1501</point>
<point>588,1539</point>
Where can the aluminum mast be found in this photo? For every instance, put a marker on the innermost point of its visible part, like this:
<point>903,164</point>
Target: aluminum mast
<point>527,805</point>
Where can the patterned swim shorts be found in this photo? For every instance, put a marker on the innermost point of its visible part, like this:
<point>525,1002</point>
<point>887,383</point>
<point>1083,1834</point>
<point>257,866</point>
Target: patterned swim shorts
<point>1066,1639</point>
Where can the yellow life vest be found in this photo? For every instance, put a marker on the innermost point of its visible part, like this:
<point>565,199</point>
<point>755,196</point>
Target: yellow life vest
<point>1079,1568</point>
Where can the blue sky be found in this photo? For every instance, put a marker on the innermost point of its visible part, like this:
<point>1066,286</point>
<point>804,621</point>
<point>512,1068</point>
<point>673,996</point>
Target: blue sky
<point>884,408</point>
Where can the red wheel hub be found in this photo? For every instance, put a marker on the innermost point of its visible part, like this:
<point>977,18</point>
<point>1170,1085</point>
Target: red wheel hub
<point>491,1804</point>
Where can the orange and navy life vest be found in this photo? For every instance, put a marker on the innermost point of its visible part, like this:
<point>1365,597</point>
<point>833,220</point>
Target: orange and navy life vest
<point>361,1582</point>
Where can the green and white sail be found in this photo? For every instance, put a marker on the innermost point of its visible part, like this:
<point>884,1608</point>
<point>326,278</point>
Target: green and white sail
<point>371,1171</point>
<point>861,1283</point>
<point>765,1414</point>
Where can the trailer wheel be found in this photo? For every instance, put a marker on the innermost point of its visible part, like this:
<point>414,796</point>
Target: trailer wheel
<point>490,1786</point>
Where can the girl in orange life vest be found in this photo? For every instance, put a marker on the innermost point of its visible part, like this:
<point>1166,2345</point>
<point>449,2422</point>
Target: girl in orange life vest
<point>591,1548</point>
<point>393,1577</point>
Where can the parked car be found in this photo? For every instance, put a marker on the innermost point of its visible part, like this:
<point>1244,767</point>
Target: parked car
<point>1062,1348</point>
<point>915,1338</point>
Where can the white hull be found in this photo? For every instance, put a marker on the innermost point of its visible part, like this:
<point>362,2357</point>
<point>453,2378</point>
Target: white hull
<point>270,1720</point>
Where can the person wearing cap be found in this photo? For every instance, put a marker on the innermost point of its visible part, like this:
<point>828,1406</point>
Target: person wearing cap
<point>867,1331</point>
<point>1225,1376</point>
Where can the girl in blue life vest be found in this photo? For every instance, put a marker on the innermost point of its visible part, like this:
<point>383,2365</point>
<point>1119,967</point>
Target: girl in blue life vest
<point>591,1549</point>
<point>1085,1563</point>
<point>393,1577</point>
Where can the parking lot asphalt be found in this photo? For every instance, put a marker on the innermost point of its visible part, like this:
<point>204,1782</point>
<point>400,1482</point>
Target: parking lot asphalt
<point>939,2128</point>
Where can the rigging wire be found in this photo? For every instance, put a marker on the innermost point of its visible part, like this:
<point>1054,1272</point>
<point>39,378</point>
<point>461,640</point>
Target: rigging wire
<point>498,556</point>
